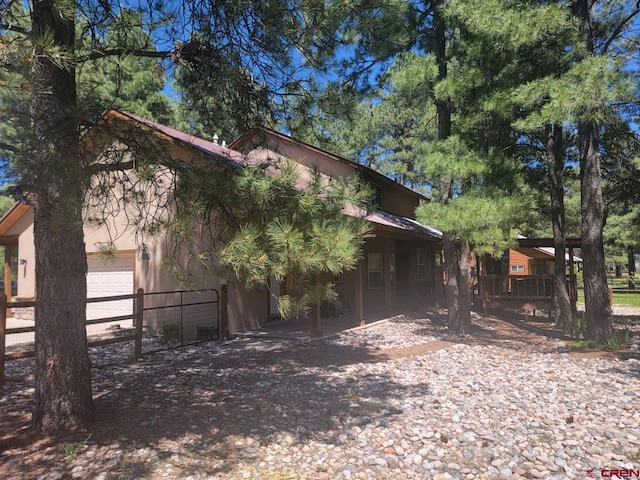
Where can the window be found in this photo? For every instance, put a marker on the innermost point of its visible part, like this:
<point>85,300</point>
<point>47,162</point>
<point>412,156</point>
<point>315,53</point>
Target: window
<point>517,268</point>
<point>374,270</point>
<point>338,278</point>
<point>421,262</point>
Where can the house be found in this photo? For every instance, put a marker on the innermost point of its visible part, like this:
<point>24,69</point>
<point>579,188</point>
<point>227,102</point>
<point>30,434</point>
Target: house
<point>399,269</point>
<point>524,278</point>
<point>534,260</point>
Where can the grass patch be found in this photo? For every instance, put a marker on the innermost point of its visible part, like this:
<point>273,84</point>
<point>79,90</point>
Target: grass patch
<point>72,450</point>
<point>618,340</point>
<point>627,299</point>
<point>622,299</point>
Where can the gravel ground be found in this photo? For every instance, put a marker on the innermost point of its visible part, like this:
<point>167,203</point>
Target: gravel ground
<point>398,400</point>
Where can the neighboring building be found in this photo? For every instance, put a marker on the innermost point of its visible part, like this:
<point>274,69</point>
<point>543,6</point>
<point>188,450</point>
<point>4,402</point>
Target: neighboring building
<point>528,281</point>
<point>534,260</point>
<point>398,271</point>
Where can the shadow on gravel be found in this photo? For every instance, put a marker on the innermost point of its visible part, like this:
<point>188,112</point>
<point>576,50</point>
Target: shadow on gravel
<point>213,409</point>
<point>197,412</point>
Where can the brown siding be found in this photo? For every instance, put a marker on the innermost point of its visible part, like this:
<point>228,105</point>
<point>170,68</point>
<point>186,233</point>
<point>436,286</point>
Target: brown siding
<point>517,257</point>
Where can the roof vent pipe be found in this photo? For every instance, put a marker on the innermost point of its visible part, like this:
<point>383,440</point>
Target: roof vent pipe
<point>215,138</point>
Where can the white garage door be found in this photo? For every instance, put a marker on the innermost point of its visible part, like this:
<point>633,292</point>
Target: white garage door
<point>108,277</point>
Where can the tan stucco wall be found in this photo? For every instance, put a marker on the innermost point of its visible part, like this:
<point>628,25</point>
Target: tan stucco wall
<point>247,309</point>
<point>395,200</point>
<point>26,252</point>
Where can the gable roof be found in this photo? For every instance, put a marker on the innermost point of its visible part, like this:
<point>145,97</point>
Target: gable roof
<point>9,219</point>
<point>176,136</point>
<point>235,157</point>
<point>257,130</point>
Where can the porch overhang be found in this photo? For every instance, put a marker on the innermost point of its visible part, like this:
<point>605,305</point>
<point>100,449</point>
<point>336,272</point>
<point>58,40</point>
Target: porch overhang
<point>406,224</point>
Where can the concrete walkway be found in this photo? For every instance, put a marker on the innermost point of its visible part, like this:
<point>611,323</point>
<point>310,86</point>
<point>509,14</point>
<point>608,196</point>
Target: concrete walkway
<point>301,329</point>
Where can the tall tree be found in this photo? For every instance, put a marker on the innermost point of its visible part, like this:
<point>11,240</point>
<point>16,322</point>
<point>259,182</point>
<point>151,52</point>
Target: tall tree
<point>63,397</point>
<point>599,321</point>
<point>56,172</point>
<point>564,316</point>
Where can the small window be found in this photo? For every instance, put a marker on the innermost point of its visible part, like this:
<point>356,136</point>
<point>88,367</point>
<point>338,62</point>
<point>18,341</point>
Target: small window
<point>338,278</point>
<point>374,270</point>
<point>517,268</point>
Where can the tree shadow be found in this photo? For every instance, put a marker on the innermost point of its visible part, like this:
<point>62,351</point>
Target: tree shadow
<point>223,406</point>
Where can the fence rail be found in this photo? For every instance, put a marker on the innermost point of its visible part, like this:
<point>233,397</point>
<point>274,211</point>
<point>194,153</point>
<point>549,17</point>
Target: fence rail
<point>192,315</point>
<point>521,291</point>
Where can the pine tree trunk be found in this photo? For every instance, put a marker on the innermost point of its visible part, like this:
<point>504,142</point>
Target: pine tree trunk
<point>443,110</point>
<point>63,397</point>
<point>555,163</point>
<point>316,319</point>
<point>450,251</point>
<point>464,286</point>
<point>598,316</point>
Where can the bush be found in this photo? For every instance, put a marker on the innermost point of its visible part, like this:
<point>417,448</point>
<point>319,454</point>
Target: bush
<point>170,334</point>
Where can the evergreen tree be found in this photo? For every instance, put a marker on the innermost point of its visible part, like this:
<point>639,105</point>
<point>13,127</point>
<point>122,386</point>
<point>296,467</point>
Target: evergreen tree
<point>621,169</point>
<point>43,52</point>
<point>272,220</point>
<point>599,44</point>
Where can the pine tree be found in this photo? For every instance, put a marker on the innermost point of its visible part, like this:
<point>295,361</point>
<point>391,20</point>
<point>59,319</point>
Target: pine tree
<point>43,51</point>
<point>274,221</point>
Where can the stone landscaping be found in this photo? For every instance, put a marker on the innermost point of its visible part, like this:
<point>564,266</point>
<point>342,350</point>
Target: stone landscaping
<point>398,400</point>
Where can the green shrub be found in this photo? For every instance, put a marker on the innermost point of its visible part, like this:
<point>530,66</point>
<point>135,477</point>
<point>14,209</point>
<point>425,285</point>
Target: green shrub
<point>618,340</point>
<point>170,334</point>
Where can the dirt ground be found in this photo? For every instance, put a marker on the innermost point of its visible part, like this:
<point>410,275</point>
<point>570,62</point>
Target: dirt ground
<point>115,422</point>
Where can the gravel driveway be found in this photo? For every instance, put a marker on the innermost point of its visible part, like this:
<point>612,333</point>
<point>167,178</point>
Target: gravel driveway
<point>398,400</point>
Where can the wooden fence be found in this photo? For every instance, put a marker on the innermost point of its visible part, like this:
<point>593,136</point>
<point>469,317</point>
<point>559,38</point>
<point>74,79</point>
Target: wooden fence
<point>137,315</point>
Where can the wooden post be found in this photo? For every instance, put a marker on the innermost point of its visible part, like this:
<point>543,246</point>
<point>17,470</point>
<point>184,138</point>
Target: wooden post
<point>223,320</point>
<point>3,329</point>
<point>386,276</point>
<point>316,328</point>
<point>7,275</point>
<point>573,289</point>
<point>437,275</point>
<point>611,296</point>
<point>358,295</point>
<point>414,291</point>
<point>139,318</point>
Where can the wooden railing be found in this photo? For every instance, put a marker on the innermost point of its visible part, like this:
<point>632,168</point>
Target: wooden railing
<point>525,291</point>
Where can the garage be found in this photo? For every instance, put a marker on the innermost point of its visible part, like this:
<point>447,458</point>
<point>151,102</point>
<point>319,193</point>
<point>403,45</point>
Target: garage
<point>106,277</point>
